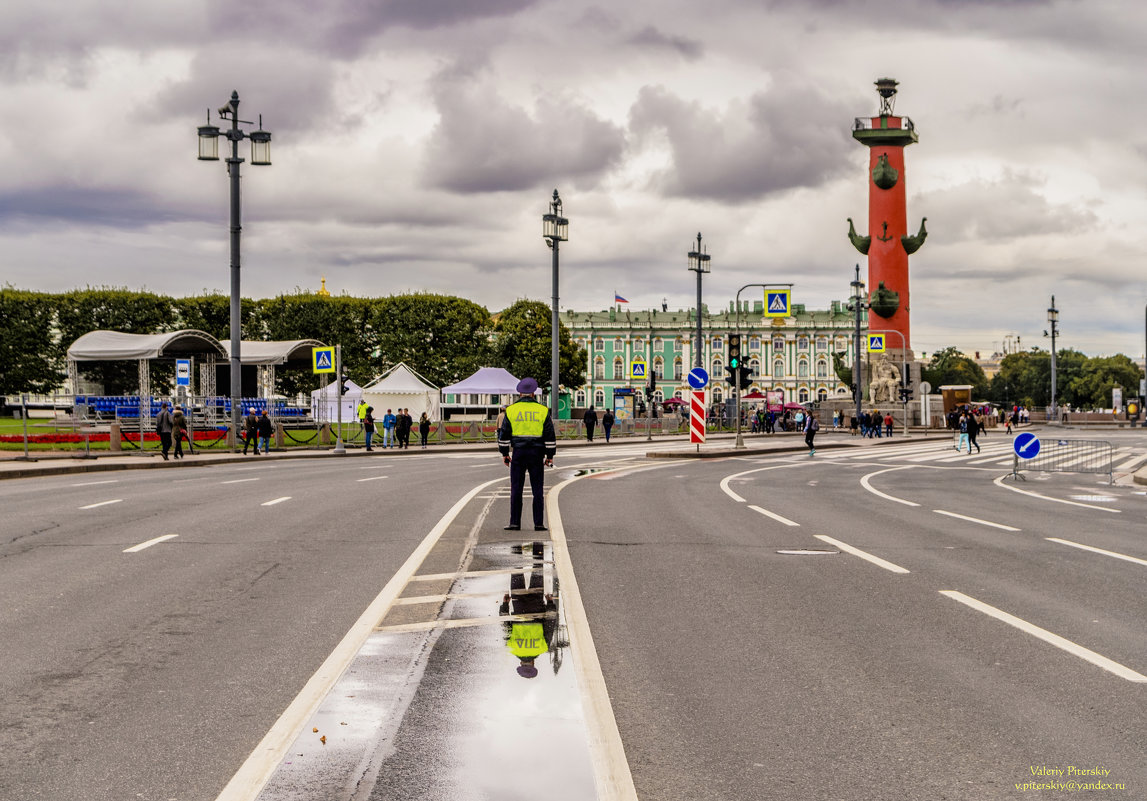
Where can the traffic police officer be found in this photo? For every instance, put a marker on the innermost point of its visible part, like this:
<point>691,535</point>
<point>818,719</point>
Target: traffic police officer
<point>528,429</point>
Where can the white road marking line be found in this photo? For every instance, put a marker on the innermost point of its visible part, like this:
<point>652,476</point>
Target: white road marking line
<point>93,483</point>
<point>1112,554</point>
<point>774,516</point>
<point>1053,639</point>
<point>725,481</point>
<point>999,482</point>
<point>611,775</point>
<point>149,543</point>
<point>1132,463</point>
<point>250,779</point>
<point>238,480</point>
<point>462,622</point>
<point>976,520</point>
<point>876,560</point>
<point>864,483</point>
<point>372,478</point>
<point>101,503</point>
<point>277,500</point>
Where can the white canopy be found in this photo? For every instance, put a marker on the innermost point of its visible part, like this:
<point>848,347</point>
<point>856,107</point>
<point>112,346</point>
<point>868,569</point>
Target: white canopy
<point>107,346</point>
<point>257,352</point>
<point>487,381</point>
<point>328,413</point>
<point>401,387</point>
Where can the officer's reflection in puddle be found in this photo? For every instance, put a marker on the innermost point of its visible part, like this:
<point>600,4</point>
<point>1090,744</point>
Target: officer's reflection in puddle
<point>529,639</point>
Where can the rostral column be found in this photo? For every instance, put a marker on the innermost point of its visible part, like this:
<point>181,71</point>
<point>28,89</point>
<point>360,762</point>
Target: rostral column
<point>888,244</point>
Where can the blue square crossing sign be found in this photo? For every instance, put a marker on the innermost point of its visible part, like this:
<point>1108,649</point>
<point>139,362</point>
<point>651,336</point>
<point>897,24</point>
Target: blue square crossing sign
<point>876,343</point>
<point>322,360</point>
<point>777,303</point>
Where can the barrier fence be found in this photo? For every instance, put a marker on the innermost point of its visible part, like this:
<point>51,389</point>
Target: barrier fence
<point>1068,456</point>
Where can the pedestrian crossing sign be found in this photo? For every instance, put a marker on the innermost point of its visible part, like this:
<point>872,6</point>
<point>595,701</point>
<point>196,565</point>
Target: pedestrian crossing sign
<point>637,368</point>
<point>876,343</point>
<point>777,303</point>
<point>322,360</point>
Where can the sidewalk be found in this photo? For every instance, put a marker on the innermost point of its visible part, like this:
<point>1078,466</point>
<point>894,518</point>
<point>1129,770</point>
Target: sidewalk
<point>49,463</point>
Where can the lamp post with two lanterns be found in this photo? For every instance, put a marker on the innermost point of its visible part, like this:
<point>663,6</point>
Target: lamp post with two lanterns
<point>260,156</point>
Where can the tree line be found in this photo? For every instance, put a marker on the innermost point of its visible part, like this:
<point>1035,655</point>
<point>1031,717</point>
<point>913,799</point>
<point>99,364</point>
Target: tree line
<point>443,338</point>
<point>1024,378</point>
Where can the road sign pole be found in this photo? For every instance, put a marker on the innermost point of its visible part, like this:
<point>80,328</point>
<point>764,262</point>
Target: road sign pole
<point>339,447</point>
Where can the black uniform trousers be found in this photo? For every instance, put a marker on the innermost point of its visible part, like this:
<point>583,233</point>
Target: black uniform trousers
<point>523,461</point>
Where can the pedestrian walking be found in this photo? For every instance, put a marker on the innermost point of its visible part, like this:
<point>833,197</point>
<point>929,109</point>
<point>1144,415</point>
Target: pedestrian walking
<point>962,427</point>
<point>607,423</point>
<point>251,430</point>
<point>854,425</point>
<point>528,431</point>
<point>265,431</point>
<point>424,428</point>
<point>590,420</point>
<point>973,431</point>
<point>180,429</point>
<point>811,426</point>
<point>888,424</point>
<point>164,423</point>
<point>388,422</point>
<point>368,426</point>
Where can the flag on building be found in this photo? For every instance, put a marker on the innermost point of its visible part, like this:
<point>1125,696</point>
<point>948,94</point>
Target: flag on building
<point>618,298</point>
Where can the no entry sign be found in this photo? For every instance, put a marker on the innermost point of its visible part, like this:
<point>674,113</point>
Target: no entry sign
<point>697,417</point>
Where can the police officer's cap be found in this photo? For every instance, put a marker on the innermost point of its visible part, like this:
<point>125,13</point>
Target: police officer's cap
<point>527,386</point>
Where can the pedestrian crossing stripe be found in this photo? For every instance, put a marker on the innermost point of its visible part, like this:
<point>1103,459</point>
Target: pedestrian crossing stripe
<point>876,343</point>
<point>322,360</point>
<point>777,303</point>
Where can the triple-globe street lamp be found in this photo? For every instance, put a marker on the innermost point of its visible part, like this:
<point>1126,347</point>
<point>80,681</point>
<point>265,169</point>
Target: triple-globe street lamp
<point>698,263</point>
<point>260,156</point>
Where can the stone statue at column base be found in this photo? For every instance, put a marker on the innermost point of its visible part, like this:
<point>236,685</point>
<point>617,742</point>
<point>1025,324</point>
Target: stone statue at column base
<point>885,384</point>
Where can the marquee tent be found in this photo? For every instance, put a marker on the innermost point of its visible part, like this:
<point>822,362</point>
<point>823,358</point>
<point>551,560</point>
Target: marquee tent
<point>328,412</point>
<point>401,387</point>
<point>487,381</point>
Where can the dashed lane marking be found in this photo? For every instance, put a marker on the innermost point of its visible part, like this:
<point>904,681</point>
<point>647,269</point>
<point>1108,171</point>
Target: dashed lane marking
<point>149,543</point>
<point>876,560</point>
<point>372,478</point>
<point>976,520</point>
<point>277,500</point>
<point>1112,554</point>
<point>93,483</point>
<point>238,480</point>
<point>102,503</point>
<point>774,516</point>
<point>1052,639</point>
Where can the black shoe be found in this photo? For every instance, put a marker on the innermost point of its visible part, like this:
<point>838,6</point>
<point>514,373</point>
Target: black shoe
<point>164,455</point>
<point>540,528</point>
<point>512,528</point>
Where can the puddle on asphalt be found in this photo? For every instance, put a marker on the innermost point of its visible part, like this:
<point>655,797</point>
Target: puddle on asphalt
<point>487,709</point>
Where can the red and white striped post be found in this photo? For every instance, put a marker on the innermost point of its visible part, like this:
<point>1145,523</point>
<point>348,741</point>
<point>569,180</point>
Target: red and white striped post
<point>697,418</point>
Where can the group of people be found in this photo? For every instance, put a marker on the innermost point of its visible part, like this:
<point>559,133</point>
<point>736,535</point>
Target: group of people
<point>257,429</point>
<point>590,420</point>
<point>872,424</point>
<point>173,425</point>
<point>396,428</point>
<point>969,423</point>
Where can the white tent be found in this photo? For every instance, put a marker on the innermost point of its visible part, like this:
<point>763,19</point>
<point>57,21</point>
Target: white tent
<point>401,387</point>
<point>328,413</point>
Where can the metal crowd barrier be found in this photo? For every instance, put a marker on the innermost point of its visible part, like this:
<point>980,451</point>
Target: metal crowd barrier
<point>1068,456</point>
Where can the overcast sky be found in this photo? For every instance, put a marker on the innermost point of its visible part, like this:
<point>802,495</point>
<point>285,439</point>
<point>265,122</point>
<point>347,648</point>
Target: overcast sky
<point>417,143</point>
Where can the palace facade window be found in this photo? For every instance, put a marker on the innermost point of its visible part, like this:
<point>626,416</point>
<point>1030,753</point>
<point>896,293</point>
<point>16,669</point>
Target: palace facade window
<point>599,369</point>
<point>618,369</point>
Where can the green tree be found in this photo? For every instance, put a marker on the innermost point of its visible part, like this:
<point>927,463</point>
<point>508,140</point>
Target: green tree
<point>523,345</point>
<point>950,366</point>
<point>1091,386</point>
<point>441,337</point>
<point>30,360</point>
<point>1024,379</point>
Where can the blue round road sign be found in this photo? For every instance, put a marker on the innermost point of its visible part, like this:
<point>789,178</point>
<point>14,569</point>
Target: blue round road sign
<point>698,378</point>
<point>1026,445</point>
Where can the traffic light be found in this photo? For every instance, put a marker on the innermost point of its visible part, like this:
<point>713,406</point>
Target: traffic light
<point>342,385</point>
<point>852,387</point>
<point>905,394</point>
<point>651,387</point>
<point>731,377</point>
<point>734,350</point>
<point>745,376</point>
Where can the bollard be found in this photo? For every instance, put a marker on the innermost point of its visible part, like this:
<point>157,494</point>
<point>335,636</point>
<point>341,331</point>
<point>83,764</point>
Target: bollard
<point>280,436</point>
<point>115,438</point>
<point>325,434</point>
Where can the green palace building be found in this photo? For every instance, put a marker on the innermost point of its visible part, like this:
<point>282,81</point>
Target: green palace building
<point>793,354</point>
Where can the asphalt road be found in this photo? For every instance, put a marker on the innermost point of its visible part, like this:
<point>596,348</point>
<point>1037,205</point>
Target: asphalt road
<point>734,670</point>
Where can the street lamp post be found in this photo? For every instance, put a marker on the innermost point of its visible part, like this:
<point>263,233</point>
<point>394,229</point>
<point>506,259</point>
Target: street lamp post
<point>555,229</point>
<point>698,263</point>
<point>1053,319</point>
<point>858,305</point>
<point>737,386</point>
<point>260,156</point>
